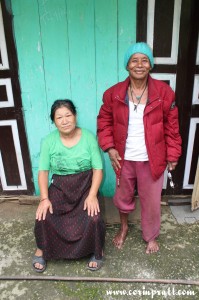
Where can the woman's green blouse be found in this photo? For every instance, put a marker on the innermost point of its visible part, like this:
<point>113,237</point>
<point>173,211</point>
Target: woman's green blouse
<point>61,160</point>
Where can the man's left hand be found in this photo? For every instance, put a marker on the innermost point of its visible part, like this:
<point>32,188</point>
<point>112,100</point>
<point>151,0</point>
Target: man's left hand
<point>172,165</point>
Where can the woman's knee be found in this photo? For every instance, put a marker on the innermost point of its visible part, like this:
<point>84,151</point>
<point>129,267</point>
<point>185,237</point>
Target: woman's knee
<point>95,219</point>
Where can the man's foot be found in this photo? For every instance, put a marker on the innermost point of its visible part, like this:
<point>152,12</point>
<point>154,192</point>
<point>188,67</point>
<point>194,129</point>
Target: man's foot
<point>152,247</point>
<point>120,237</point>
<point>38,266</point>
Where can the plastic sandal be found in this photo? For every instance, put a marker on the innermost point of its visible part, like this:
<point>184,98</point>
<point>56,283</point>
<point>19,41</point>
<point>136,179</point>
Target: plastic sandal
<point>41,261</point>
<point>98,261</point>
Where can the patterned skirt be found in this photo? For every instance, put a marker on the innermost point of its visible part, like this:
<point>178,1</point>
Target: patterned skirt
<point>69,232</point>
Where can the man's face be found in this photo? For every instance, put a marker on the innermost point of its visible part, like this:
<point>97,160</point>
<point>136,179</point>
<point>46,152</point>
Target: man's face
<point>138,66</point>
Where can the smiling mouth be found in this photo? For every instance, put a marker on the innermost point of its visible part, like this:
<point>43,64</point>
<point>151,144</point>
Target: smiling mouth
<point>139,72</point>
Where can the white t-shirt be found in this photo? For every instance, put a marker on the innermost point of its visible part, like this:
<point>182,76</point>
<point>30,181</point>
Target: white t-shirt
<point>135,143</point>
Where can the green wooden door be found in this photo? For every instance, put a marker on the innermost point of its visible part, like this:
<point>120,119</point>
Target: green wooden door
<point>70,49</point>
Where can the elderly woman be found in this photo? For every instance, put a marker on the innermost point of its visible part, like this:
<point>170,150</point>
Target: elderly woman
<point>138,127</point>
<point>68,222</point>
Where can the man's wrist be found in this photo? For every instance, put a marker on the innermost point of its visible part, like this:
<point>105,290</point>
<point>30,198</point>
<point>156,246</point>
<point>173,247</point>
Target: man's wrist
<point>107,150</point>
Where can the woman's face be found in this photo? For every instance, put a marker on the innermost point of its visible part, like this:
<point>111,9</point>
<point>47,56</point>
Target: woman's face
<point>138,66</point>
<point>64,120</point>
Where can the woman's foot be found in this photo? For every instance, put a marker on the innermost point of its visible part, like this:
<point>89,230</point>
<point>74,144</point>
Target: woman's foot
<point>152,247</point>
<point>95,264</point>
<point>39,264</point>
<point>120,237</point>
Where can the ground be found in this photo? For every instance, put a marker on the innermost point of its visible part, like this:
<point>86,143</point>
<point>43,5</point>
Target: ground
<point>177,259</point>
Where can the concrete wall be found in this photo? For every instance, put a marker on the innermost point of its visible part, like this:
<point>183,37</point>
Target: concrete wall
<point>70,49</point>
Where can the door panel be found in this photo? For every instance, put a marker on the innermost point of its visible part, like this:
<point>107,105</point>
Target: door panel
<point>192,154</point>
<point>163,25</point>
<point>11,162</point>
<point>15,167</point>
<point>3,49</point>
<point>171,29</point>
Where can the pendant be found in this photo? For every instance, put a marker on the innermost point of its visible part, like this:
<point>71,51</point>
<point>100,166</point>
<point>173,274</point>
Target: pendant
<point>135,107</point>
<point>138,98</point>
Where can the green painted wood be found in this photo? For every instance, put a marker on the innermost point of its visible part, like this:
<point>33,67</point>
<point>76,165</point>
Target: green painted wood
<point>56,60</point>
<point>106,68</point>
<point>126,32</point>
<point>106,46</point>
<point>31,73</point>
<point>70,49</point>
<point>80,16</point>
<point>114,32</point>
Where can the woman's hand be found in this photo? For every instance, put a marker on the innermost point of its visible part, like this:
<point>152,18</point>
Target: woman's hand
<point>91,202</point>
<point>43,208</point>
<point>114,157</point>
<point>92,205</point>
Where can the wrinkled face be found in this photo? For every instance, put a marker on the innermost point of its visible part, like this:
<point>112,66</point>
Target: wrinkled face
<point>64,120</point>
<point>138,66</point>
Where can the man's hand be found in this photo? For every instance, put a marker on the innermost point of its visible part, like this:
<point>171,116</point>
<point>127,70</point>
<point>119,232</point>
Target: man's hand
<point>171,165</point>
<point>115,158</point>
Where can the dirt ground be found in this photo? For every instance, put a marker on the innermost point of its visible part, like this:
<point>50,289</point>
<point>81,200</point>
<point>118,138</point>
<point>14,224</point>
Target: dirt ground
<point>178,259</point>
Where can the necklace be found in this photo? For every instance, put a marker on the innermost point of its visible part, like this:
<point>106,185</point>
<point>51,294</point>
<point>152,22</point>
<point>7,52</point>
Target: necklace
<point>138,98</point>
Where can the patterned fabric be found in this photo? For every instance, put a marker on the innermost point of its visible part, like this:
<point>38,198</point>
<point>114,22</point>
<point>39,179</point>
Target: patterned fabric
<point>69,232</point>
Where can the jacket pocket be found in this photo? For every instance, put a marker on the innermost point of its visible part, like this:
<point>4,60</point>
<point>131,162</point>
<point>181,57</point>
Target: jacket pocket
<point>158,133</point>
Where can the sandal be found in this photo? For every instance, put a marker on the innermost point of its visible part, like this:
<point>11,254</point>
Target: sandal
<point>98,261</point>
<point>41,261</point>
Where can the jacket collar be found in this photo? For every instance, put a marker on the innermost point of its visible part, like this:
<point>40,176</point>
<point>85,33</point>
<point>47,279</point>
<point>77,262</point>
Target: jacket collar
<point>122,90</point>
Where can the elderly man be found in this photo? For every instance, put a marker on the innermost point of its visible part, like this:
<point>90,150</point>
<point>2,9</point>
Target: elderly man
<point>138,127</point>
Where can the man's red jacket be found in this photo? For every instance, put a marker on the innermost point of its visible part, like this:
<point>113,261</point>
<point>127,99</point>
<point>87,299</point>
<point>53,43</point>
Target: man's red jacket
<point>162,138</point>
